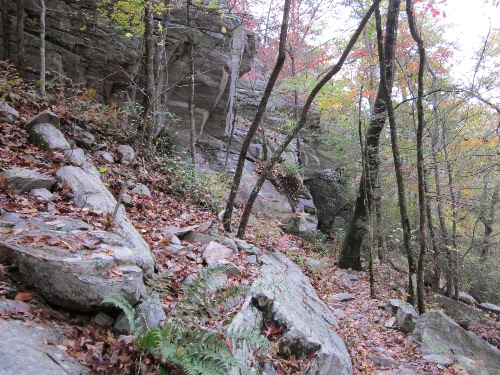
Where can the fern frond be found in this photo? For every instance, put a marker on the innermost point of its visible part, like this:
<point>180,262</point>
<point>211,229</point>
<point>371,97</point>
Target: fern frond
<point>119,301</point>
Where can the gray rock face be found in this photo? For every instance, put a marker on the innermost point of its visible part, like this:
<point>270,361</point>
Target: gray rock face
<point>490,307</point>
<point>284,295</point>
<point>148,314</point>
<point>77,157</point>
<point>406,317</point>
<point>106,156</point>
<point>83,138</point>
<point>301,225</point>
<point>126,154</point>
<point>440,335</point>
<point>141,189</point>
<point>45,117</point>
<point>216,253</point>
<point>48,137</point>
<point>456,310</point>
<point>42,194</point>
<point>89,191</point>
<point>23,351</point>
<point>68,262</point>
<point>24,180</point>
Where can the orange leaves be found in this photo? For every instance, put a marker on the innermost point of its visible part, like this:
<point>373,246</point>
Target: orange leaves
<point>24,296</point>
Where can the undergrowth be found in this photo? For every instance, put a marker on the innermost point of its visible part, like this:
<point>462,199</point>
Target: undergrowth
<point>189,338</point>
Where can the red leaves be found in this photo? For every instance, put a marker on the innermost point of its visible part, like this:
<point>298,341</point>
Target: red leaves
<point>24,296</point>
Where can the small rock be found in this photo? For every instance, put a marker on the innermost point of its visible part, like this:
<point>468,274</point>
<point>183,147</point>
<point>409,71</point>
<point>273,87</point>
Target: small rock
<point>179,231</point>
<point>250,259</point>
<point>438,359</point>
<point>383,361</point>
<point>11,307</point>
<point>175,248</point>
<point>490,307</point>
<point>358,317</point>
<point>106,156</point>
<point>43,194</point>
<point>390,323</point>
<point>314,264</point>
<point>393,305</point>
<point>126,199</point>
<point>103,320</point>
<point>100,146</point>
<point>174,240</point>
<point>191,256</point>
<point>45,117</point>
<point>7,108</point>
<point>216,253</point>
<point>202,238</point>
<point>76,156</point>
<point>83,138</point>
<point>141,189</point>
<point>376,319</point>
<point>127,154</point>
<point>343,297</point>
<point>406,317</point>
<point>24,180</point>
<point>48,137</point>
<point>350,277</point>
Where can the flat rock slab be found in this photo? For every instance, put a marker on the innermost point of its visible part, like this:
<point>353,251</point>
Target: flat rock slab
<point>490,307</point>
<point>440,335</point>
<point>284,295</point>
<point>69,262</point>
<point>23,350</point>
<point>179,231</point>
<point>342,297</point>
<point>24,180</point>
<point>458,311</point>
<point>89,191</point>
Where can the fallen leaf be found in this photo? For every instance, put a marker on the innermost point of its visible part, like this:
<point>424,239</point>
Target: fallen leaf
<point>24,296</point>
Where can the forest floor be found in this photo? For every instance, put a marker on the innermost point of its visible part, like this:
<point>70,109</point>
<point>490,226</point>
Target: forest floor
<point>374,349</point>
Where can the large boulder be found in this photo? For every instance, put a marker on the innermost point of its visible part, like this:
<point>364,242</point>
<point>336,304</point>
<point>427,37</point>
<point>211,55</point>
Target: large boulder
<point>24,350</point>
<point>45,117</point>
<point>440,335</point>
<point>459,312</point>
<point>89,191</point>
<point>48,137</point>
<point>68,262</point>
<point>282,295</point>
<point>24,180</point>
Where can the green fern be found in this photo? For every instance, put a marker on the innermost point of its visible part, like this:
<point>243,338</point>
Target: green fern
<point>184,338</point>
<point>119,301</point>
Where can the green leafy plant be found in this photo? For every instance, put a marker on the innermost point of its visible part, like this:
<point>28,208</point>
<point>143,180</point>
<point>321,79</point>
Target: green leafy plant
<point>189,338</point>
<point>203,187</point>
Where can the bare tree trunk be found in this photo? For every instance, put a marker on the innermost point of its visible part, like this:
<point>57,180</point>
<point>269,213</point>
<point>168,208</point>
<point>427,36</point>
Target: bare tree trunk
<point>303,117</point>
<point>43,10</point>
<point>257,119</point>
<point>350,255</point>
<point>192,129</point>
<point>422,201</point>
<point>403,210</point>
<point>21,50</point>
<point>150,76</point>
<point>6,30</point>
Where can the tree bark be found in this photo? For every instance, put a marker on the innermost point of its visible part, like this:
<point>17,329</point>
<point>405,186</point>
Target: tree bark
<point>422,201</point>
<point>21,50</point>
<point>228,213</point>
<point>43,10</point>
<point>350,255</point>
<point>403,208</point>
<point>192,128</point>
<point>150,76</point>
<point>303,117</point>
<point>5,30</point>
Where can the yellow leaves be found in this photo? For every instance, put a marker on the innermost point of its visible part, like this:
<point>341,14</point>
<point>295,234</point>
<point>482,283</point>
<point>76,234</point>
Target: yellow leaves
<point>224,30</point>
